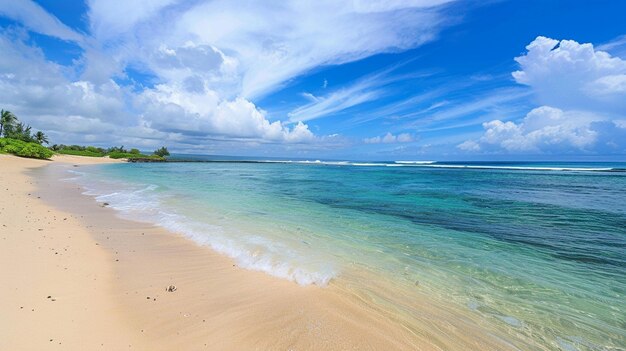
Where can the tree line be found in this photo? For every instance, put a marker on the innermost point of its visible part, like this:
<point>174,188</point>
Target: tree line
<point>11,128</point>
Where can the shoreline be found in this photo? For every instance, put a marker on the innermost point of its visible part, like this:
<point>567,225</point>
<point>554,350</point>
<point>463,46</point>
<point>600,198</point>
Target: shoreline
<point>55,279</point>
<point>216,305</point>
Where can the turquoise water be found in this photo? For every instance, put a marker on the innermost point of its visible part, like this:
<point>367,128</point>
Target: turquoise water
<point>535,251</point>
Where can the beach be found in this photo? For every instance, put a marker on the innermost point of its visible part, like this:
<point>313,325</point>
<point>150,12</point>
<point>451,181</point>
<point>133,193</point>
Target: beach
<point>56,281</point>
<point>76,277</point>
<point>110,274</point>
<point>433,175</point>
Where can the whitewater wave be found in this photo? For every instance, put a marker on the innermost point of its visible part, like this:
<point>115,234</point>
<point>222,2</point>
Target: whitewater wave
<point>416,162</point>
<point>523,168</point>
<point>253,252</point>
<point>435,164</point>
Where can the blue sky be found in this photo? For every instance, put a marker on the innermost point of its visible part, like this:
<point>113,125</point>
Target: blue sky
<point>423,79</point>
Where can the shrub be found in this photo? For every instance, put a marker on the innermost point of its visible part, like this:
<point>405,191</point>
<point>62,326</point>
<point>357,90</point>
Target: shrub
<point>12,149</point>
<point>94,149</point>
<point>80,153</point>
<point>24,149</point>
<point>116,149</point>
<point>128,155</point>
<point>134,151</point>
<point>162,152</point>
<point>33,150</point>
<point>117,155</point>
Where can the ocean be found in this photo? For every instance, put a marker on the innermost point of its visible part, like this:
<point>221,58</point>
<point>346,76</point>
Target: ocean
<point>534,251</point>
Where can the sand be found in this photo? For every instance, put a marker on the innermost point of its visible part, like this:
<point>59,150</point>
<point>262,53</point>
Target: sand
<point>77,277</point>
<point>55,280</point>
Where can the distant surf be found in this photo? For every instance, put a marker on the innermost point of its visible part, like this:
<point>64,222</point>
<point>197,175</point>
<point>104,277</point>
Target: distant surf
<point>436,164</point>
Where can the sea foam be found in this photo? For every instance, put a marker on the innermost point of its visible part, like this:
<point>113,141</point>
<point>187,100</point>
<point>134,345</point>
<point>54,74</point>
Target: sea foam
<point>443,165</point>
<point>253,252</point>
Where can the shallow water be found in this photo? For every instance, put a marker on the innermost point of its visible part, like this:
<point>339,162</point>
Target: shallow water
<point>534,251</point>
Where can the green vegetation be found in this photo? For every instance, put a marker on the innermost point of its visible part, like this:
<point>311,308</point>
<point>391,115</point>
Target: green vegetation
<point>128,155</point>
<point>116,152</point>
<point>79,153</point>
<point>19,140</point>
<point>7,119</point>
<point>12,128</point>
<point>78,150</point>
<point>162,152</point>
<point>40,137</point>
<point>24,149</point>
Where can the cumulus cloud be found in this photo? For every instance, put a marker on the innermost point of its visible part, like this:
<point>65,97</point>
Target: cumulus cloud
<point>209,61</point>
<point>390,139</point>
<point>583,92</point>
<point>543,129</point>
<point>573,76</point>
<point>40,91</point>
<point>190,113</point>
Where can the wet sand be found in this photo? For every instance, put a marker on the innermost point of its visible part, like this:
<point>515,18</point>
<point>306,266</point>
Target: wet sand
<point>107,279</point>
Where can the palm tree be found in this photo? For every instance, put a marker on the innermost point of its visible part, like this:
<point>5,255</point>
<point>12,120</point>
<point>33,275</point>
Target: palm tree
<point>41,137</point>
<point>162,152</point>
<point>6,119</point>
<point>20,131</point>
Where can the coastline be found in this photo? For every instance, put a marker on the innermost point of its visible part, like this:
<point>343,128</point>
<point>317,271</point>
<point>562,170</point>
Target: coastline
<point>217,305</point>
<point>45,252</point>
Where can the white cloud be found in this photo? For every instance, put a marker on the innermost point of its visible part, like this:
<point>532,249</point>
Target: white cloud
<point>39,92</point>
<point>573,76</point>
<point>310,97</point>
<point>583,93</point>
<point>110,18</point>
<point>469,145</point>
<point>607,86</point>
<point>390,139</point>
<point>276,43</point>
<point>365,89</point>
<point>334,102</point>
<point>550,130</point>
<point>617,46</point>
<point>209,61</point>
<point>37,19</point>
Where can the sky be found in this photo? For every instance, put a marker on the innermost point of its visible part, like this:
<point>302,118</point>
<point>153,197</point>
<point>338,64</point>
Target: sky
<point>361,80</point>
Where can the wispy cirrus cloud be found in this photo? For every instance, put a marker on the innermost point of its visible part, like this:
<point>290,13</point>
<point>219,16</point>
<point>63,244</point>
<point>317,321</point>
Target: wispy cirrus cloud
<point>616,47</point>
<point>34,17</point>
<point>464,109</point>
<point>334,102</point>
<point>368,88</point>
<point>209,61</point>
